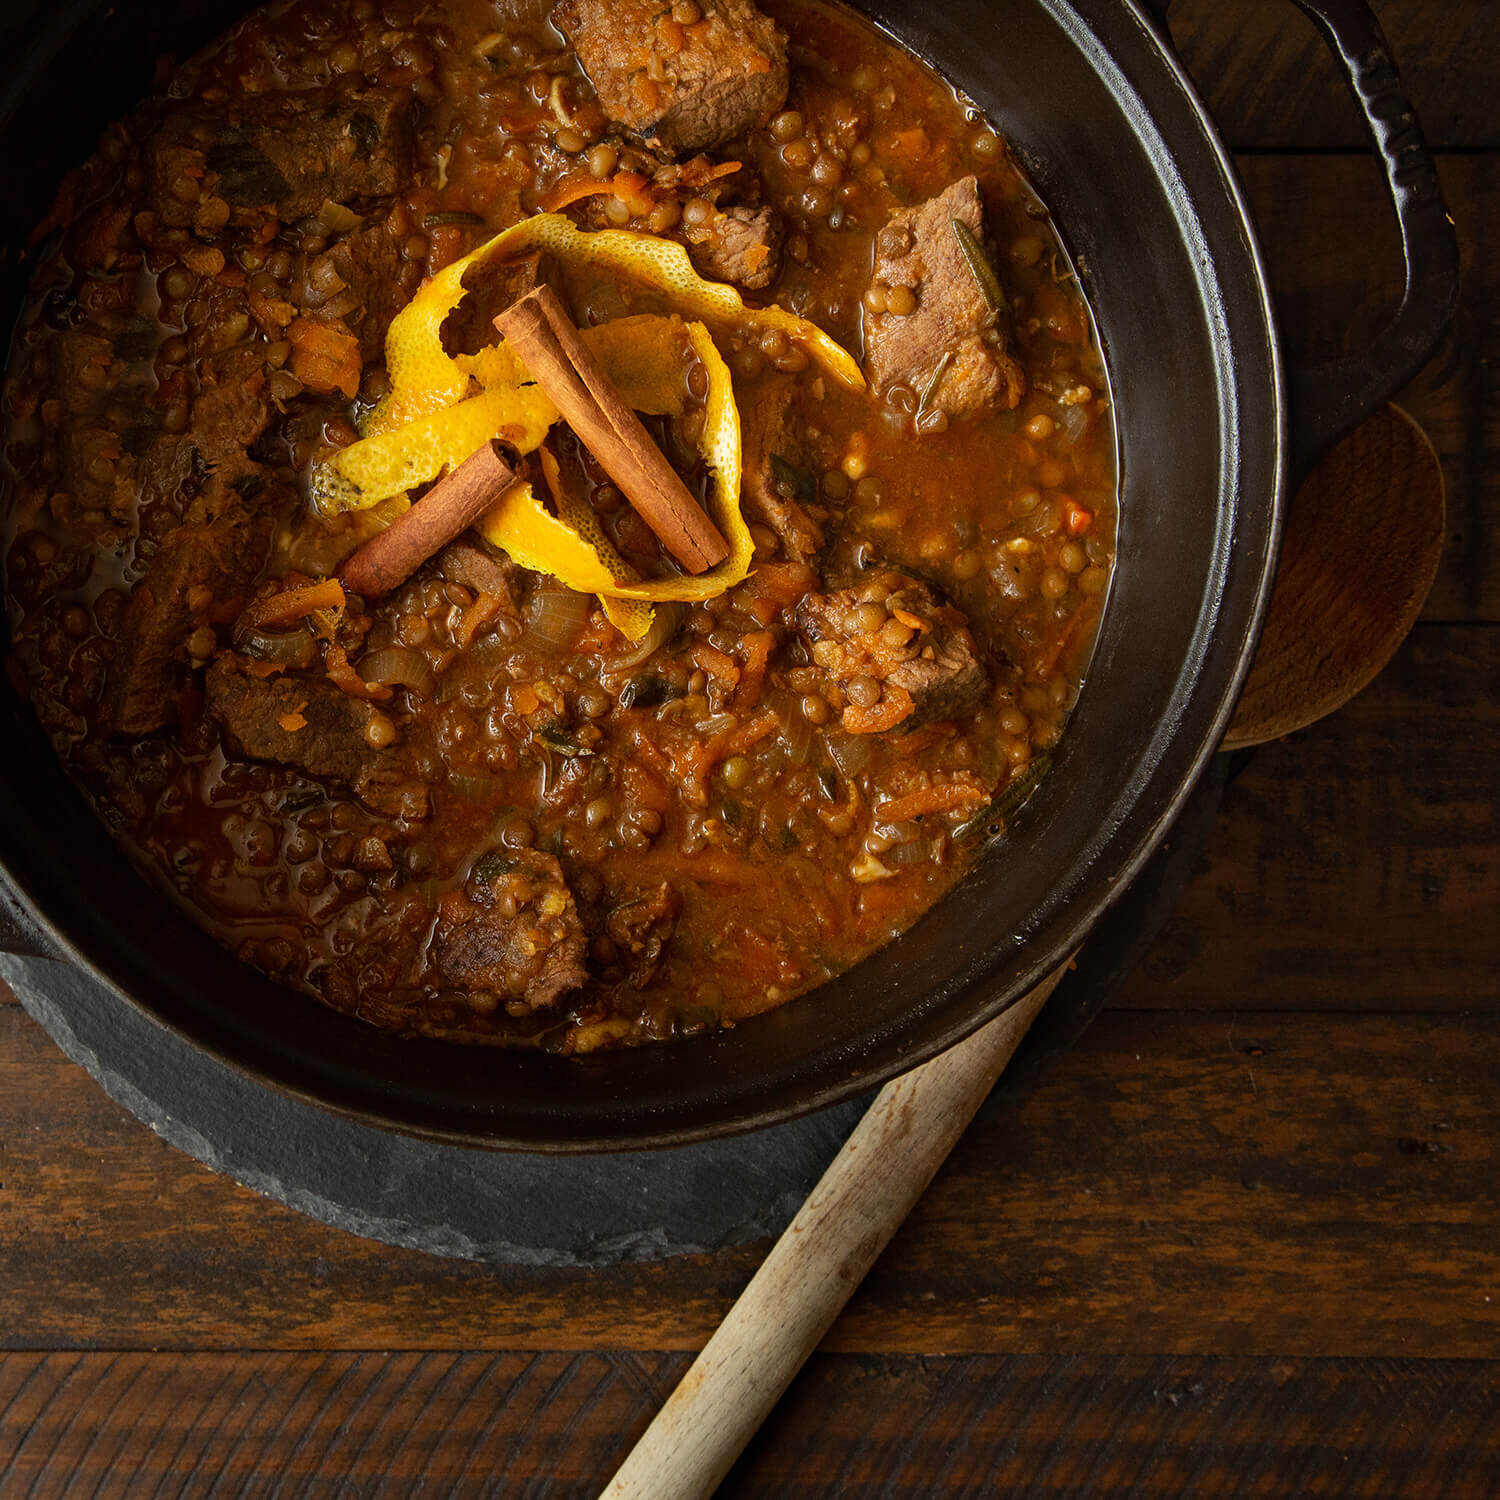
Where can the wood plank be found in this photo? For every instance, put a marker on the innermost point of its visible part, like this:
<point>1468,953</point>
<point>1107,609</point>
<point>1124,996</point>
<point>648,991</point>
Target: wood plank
<point>387,1425</point>
<point>1270,82</point>
<point>1356,865</point>
<point>1335,265</point>
<point>1183,1183</point>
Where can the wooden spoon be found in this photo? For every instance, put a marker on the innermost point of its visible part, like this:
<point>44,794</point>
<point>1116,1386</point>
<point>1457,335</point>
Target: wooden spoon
<point>1362,542</point>
<point>802,1285</point>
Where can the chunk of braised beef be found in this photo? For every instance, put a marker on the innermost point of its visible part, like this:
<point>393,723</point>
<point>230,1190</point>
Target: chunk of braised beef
<point>201,576</point>
<point>738,245</point>
<point>368,262</point>
<point>688,91</point>
<point>950,350</point>
<point>900,655</point>
<point>778,485</point>
<point>229,416</point>
<point>299,721</point>
<point>289,152</point>
<point>512,933</point>
<point>641,928</point>
<point>492,286</point>
<point>740,239</point>
<point>83,360</point>
<point>485,572</point>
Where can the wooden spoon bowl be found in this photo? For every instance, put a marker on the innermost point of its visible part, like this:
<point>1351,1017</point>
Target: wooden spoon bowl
<point>1363,539</point>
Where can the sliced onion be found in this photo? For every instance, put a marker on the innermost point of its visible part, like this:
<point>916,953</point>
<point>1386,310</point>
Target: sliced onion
<point>336,218</point>
<point>341,306</point>
<point>663,628</point>
<point>288,648</point>
<point>555,617</point>
<point>798,736</point>
<point>850,752</point>
<point>913,852</point>
<point>1074,421</point>
<point>398,666</point>
<point>716,724</point>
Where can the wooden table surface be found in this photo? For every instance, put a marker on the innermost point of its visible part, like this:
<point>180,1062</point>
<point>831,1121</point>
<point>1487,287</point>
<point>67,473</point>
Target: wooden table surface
<point>1245,1240</point>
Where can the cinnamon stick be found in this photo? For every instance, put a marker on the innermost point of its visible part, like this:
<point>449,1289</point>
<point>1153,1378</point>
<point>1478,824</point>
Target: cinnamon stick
<point>452,505</point>
<point>545,338</point>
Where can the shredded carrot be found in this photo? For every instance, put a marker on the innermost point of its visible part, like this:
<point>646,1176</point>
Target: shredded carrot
<point>756,256</point>
<point>962,791</point>
<point>889,712</point>
<point>698,761</point>
<point>291,605</point>
<point>918,741</point>
<point>347,680</point>
<point>1047,665</point>
<point>1076,518</point>
<point>263,668</point>
<point>295,720</point>
<point>523,698</point>
<point>475,618</point>
<point>912,142</point>
<point>757,646</point>
<point>270,311</point>
<point>714,662</point>
<point>645,789</point>
<point>325,356</point>
<point>751,733</point>
<point>648,751</point>
<point>911,621</point>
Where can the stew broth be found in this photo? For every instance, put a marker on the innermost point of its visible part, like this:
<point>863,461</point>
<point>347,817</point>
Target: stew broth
<point>544,833</point>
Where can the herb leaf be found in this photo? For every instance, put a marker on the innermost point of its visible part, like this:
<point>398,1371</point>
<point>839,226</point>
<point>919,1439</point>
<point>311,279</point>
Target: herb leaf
<point>247,178</point>
<point>791,481</point>
<point>979,264</point>
<point>989,820</point>
<point>561,741</point>
<point>365,134</point>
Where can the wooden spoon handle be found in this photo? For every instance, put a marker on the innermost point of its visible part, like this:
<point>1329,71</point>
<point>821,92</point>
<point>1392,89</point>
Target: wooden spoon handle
<point>790,1303</point>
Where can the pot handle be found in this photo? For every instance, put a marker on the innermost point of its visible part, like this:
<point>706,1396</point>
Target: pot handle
<point>1330,399</point>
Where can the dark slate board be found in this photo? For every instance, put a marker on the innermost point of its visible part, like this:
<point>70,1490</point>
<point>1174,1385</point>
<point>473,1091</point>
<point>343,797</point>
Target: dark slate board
<point>508,1208</point>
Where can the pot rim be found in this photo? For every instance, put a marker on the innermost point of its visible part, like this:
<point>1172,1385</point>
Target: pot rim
<point>1067,933</point>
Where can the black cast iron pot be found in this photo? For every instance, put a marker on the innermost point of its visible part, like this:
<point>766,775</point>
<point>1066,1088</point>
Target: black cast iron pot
<point>1212,430</point>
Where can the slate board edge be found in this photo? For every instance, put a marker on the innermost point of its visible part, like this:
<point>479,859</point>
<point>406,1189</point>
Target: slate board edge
<point>1111,953</point>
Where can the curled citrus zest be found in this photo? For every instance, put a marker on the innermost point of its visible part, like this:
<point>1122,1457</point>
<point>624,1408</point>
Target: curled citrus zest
<point>572,546</point>
<point>442,407</point>
<point>645,356</point>
<point>392,461</point>
<point>424,378</point>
